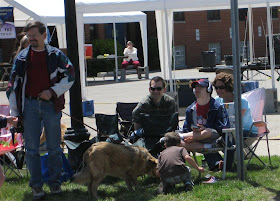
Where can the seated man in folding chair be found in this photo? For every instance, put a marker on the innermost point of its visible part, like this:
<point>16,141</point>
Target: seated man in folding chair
<point>156,103</point>
<point>205,119</point>
<point>4,121</point>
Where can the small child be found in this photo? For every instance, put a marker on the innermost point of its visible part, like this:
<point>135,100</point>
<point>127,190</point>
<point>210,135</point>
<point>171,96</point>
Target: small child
<point>171,167</point>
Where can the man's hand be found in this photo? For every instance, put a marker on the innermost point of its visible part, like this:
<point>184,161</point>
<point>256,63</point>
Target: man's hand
<point>12,121</point>
<point>189,139</point>
<point>45,95</point>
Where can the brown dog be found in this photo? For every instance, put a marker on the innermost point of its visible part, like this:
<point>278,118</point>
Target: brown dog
<point>63,129</point>
<point>126,162</point>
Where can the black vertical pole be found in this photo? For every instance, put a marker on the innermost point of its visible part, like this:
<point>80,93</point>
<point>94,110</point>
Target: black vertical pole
<point>73,55</point>
<point>77,133</point>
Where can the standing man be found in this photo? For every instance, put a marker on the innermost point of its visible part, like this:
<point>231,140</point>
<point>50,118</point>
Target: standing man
<point>40,76</point>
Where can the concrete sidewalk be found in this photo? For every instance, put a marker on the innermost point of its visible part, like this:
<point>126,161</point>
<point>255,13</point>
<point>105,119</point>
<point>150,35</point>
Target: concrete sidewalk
<point>106,93</point>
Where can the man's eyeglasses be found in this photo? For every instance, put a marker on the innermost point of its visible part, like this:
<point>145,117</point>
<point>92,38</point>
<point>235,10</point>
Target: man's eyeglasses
<point>32,36</point>
<point>156,88</point>
<point>219,87</point>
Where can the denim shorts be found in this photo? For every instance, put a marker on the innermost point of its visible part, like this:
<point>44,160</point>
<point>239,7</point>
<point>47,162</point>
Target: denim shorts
<point>215,135</point>
<point>185,178</point>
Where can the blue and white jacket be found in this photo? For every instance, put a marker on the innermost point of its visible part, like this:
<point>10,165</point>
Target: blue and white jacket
<point>61,72</point>
<point>217,117</point>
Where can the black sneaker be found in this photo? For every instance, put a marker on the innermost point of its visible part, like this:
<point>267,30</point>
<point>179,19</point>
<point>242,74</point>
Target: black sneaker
<point>220,142</point>
<point>55,189</point>
<point>165,188</point>
<point>38,193</point>
<point>188,187</point>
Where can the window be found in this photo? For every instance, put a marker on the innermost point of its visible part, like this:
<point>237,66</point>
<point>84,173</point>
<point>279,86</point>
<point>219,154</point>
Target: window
<point>179,16</point>
<point>243,14</point>
<point>180,56</point>
<point>213,15</point>
<point>274,12</point>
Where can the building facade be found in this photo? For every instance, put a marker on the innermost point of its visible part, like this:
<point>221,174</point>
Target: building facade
<point>194,32</point>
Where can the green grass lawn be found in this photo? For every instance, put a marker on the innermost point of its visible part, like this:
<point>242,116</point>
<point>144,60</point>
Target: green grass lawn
<point>261,183</point>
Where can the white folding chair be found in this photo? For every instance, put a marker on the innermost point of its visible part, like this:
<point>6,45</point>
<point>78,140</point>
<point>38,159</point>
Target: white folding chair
<point>229,134</point>
<point>256,100</point>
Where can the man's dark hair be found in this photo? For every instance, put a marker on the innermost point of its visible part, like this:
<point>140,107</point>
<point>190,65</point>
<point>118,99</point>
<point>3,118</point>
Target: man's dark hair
<point>41,27</point>
<point>172,139</point>
<point>158,79</point>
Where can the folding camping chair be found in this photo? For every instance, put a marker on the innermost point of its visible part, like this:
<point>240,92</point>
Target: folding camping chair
<point>107,125</point>
<point>256,99</point>
<point>155,126</point>
<point>229,133</point>
<point>8,145</point>
<point>124,110</point>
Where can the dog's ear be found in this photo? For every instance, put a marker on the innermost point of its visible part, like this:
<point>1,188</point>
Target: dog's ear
<point>151,166</point>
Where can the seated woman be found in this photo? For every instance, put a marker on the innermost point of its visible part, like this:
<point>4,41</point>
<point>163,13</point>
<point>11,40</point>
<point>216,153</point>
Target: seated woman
<point>132,59</point>
<point>223,85</point>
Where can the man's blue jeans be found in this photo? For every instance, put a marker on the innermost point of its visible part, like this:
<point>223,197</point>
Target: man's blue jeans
<point>35,112</point>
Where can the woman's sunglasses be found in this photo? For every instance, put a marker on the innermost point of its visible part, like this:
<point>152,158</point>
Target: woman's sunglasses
<point>219,87</point>
<point>156,88</point>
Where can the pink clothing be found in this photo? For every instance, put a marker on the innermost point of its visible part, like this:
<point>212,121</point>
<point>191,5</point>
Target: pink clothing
<point>134,63</point>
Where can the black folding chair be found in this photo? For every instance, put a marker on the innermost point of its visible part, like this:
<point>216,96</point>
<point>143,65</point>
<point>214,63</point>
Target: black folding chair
<point>155,126</point>
<point>107,125</point>
<point>124,110</point>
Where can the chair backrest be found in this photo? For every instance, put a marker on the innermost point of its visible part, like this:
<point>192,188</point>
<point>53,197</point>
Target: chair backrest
<point>107,124</point>
<point>256,100</point>
<point>4,110</point>
<point>231,113</point>
<point>158,125</point>
<point>125,110</point>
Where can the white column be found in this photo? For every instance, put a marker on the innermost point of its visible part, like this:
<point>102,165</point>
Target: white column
<point>250,26</point>
<point>61,35</point>
<point>116,53</point>
<point>80,33</point>
<point>271,46</point>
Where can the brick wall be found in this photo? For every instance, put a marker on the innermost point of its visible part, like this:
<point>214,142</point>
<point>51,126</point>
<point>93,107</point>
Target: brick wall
<point>217,32</point>
<point>213,32</point>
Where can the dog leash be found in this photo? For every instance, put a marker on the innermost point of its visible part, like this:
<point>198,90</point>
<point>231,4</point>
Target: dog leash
<point>99,132</point>
<point>80,121</point>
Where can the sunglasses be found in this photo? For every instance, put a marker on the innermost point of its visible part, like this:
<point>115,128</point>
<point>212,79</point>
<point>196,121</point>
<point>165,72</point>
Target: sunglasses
<point>156,88</point>
<point>219,87</point>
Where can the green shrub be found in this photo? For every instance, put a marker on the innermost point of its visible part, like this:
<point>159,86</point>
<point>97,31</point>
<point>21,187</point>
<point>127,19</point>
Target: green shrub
<point>101,47</point>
